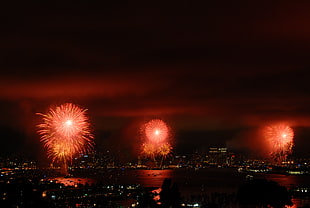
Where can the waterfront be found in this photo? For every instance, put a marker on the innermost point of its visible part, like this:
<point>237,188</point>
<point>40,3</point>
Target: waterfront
<point>224,180</point>
<point>197,182</point>
<point>190,181</point>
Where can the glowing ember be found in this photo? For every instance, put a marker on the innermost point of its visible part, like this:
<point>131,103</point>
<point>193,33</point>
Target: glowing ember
<point>279,140</point>
<point>65,132</point>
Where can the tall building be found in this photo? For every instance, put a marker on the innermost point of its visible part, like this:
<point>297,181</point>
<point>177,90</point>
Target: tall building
<point>217,156</point>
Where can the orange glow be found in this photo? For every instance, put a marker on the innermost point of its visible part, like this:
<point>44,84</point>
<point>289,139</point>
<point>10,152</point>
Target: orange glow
<point>69,123</point>
<point>149,149</point>
<point>164,149</point>
<point>157,132</point>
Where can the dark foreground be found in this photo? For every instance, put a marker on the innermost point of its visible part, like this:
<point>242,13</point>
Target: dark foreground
<point>153,188</point>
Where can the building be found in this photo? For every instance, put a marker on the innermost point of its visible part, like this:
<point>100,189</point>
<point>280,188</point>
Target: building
<point>217,156</point>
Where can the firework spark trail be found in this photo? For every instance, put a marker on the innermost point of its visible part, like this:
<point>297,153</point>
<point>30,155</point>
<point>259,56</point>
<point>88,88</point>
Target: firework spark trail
<point>149,149</point>
<point>152,150</point>
<point>279,138</point>
<point>164,149</point>
<point>65,132</point>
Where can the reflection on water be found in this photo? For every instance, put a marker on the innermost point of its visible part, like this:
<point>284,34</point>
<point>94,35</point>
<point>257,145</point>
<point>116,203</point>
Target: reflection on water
<point>73,181</point>
<point>190,182</point>
<point>153,178</point>
<point>284,180</point>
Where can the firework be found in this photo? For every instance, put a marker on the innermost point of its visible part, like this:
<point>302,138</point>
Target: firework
<point>279,140</point>
<point>152,150</point>
<point>65,132</point>
<point>156,131</point>
<point>164,149</point>
<point>149,149</point>
<point>155,134</point>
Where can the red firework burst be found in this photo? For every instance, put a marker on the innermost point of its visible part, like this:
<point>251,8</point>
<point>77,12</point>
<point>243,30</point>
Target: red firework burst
<point>156,131</point>
<point>279,138</point>
<point>65,132</point>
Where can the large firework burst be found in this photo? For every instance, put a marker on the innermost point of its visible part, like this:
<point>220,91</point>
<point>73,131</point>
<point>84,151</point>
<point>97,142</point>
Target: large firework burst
<point>65,132</point>
<point>155,134</point>
<point>279,140</point>
<point>156,131</point>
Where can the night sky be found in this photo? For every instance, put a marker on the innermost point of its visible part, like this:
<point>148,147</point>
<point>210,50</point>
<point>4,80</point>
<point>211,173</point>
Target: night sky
<point>213,71</point>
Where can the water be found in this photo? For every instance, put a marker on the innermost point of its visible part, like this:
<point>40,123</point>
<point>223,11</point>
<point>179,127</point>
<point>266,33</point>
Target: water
<point>74,181</point>
<point>195,182</point>
<point>188,180</point>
